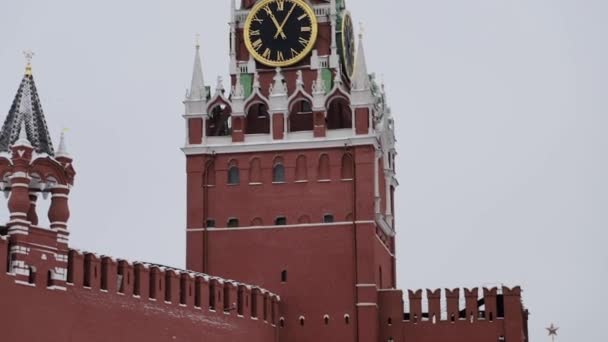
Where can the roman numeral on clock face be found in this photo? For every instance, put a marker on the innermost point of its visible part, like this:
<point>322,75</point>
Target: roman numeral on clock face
<point>280,57</point>
<point>303,41</point>
<point>266,53</point>
<point>281,5</point>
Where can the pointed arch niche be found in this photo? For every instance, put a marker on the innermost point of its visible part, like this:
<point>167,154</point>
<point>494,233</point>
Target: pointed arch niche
<point>257,120</point>
<point>218,122</point>
<point>339,114</point>
<point>301,116</point>
<point>255,172</point>
<point>348,168</point>
<point>323,168</point>
<point>301,169</point>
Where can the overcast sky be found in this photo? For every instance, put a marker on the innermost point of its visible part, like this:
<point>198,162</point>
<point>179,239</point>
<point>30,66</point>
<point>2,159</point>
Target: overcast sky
<point>501,114</point>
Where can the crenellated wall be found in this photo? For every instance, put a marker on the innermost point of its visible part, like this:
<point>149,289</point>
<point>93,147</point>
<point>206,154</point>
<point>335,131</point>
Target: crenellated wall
<point>114,300</point>
<point>470,315</point>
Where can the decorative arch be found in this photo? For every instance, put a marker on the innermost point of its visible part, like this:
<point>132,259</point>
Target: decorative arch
<point>304,219</point>
<point>348,170</point>
<point>257,222</point>
<point>323,169</point>
<point>257,119</point>
<point>301,168</point>
<point>255,171</point>
<point>218,122</point>
<point>301,115</point>
<point>339,114</point>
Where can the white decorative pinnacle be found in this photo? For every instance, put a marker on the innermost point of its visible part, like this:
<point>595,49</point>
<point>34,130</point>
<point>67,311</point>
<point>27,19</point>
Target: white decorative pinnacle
<point>256,81</point>
<point>197,87</point>
<point>23,140</point>
<point>238,91</point>
<point>219,88</point>
<point>28,54</point>
<point>62,150</point>
<point>278,88</point>
<point>360,75</point>
<point>300,79</point>
<point>318,85</point>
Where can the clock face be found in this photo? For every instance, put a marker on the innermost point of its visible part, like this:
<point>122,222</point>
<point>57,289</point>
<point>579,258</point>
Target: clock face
<point>280,33</point>
<point>347,46</point>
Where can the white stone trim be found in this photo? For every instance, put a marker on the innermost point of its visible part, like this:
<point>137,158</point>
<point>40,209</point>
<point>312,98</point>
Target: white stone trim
<point>303,225</point>
<point>365,285</point>
<point>383,245</point>
<point>367,305</point>
<point>281,145</point>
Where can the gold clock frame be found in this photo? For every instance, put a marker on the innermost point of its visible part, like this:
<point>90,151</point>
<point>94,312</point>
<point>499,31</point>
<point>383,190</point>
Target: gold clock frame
<point>313,37</point>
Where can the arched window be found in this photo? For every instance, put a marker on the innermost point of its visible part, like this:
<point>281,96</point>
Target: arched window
<point>284,276</point>
<point>301,169</point>
<point>339,114</point>
<point>234,177</point>
<point>258,119</point>
<point>209,175</point>
<point>255,171</point>
<point>302,319</point>
<point>347,319</point>
<point>300,117</point>
<point>278,171</point>
<point>323,171</point>
<point>233,223</point>
<point>328,218</point>
<point>218,123</point>
<point>347,167</point>
<point>280,221</point>
<point>326,319</point>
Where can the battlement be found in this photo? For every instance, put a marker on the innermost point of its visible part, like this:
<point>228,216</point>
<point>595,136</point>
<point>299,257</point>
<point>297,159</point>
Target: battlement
<point>454,305</point>
<point>155,285</point>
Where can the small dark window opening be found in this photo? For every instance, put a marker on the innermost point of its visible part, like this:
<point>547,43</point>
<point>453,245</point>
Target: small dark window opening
<point>49,279</point>
<point>183,284</point>
<point>226,298</point>
<point>453,318</point>
<point>302,321</point>
<point>500,306</point>
<point>347,319</point>
<point>390,321</point>
<point>326,320</point>
<point>281,221</point>
<point>168,287</point>
<point>284,276</point>
<point>278,174</point>
<point>491,316</point>
<point>234,177</point>
<point>210,223</point>
<point>328,218</point>
<point>233,223</point>
<point>212,296</point>
<point>282,322</point>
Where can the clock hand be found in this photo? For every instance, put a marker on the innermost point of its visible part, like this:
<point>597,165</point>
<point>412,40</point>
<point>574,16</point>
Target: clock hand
<point>285,22</point>
<point>276,23</point>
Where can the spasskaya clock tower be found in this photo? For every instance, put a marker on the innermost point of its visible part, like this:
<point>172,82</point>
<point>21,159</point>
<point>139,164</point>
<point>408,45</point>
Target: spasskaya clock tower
<point>291,169</point>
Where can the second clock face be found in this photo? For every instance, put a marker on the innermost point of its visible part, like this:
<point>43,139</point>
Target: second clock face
<point>280,32</point>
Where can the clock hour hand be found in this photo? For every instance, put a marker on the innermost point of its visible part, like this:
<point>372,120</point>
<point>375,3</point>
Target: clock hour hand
<point>279,28</point>
<point>284,22</point>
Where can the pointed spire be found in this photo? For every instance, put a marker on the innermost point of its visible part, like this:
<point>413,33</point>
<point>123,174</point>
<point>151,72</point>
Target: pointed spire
<point>300,80</point>
<point>256,81</point>
<point>62,150</point>
<point>318,86</point>
<point>360,75</point>
<point>197,87</point>
<point>26,117</point>
<point>23,140</point>
<point>238,91</point>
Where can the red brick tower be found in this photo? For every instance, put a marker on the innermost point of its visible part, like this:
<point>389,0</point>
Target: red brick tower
<point>30,167</point>
<point>291,172</point>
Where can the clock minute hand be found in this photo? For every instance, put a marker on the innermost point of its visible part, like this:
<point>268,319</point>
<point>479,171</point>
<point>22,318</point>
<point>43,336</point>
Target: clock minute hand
<point>285,22</point>
<point>276,23</point>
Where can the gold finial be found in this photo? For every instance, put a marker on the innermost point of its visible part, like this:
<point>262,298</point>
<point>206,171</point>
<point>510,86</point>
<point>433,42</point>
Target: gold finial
<point>29,54</point>
<point>198,40</point>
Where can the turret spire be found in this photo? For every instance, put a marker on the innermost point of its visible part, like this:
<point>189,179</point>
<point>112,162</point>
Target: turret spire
<point>26,118</point>
<point>197,87</point>
<point>62,150</point>
<point>360,76</point>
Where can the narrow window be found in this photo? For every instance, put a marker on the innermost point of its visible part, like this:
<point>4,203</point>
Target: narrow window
<point>49,279</point>
<point>302,321</point>
<point>234,177</point>
<point>284,276</point>
<point>280,221</point>
<point>209,176</point>
<point>326,320</point>
<point>210,223</point>
<point>278,174</point>
<point>282,322</point>
<point>347,319</point>
<point>390,321</point>
<point>328,218</point>
<point>233,223</point>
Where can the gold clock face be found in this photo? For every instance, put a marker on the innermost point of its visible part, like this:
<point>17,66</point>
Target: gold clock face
<point>280,33</point>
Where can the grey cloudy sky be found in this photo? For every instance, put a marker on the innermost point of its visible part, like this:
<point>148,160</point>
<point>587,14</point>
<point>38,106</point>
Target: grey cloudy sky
<point>501,113</point>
